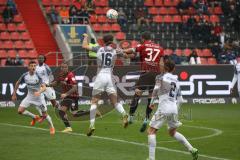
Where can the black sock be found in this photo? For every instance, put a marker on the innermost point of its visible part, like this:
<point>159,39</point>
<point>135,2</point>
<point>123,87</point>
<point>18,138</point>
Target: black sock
<point>134,104</point>
<point>148,110</point>
<point>64,119</point>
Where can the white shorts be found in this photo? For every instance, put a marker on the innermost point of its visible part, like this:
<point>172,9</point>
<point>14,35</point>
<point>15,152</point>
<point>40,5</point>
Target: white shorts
<point>36,101</point>
<point>104,83</point>
<point>159,119</point>
<point>50,93</point>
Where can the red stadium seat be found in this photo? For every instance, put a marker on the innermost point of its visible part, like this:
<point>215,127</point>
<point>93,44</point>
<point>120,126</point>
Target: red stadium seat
<point>158,19</point>
<point>3,27</point>
<point>199,52</point>
<point>177,19</point>
<point>191,10</point>
<point>46,2</point>
<point>106,27</point>
<point>167,19</point>
<point>56,2</point>
<point>172,10</point>
<point>178,52</point>
<point>168,52</point>
<point>66,2</point>
<point>3,2</point>
<point>175,2</point>
<point>1,18</point>
<point>206,17</point>
<point>197,18</point>
<point>212,61</point>
<point>32,54</point>
<point>185,18</point>
<point>3,54</point>
<point>18,18</point>
<point>101,3</point>
<point>116,27</point>
<point>153,10</point>
<point>23,54</point>
<point>93,19</point>
<point>99,10</point>
<point>29,45</point>
<point>12,53</point>
<point>163,10</point>
<point>11,27</point>
<point>148,3</point>
<point>25,36</point>
<point>15,36</point>
<point>204,61</point>
<point>120,36</point>
<point>19,45</point>
<point>168,3</point>
<point>210,10</point>
<point>21,27</point>
<point>102,19</point>
<point>4,36</point>
<point>217,10</point>
<point>97,27</point>
<point>158,3</point>
<point>187,52</point>
<point>8,44</point>
<point>207,53</point>
<point>214,18</point>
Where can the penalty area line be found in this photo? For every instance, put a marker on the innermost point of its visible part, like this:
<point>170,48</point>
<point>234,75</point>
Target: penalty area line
<point>115,140</point>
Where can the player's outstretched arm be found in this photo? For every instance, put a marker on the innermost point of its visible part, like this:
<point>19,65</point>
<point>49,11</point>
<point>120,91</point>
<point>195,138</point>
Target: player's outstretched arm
<point>74,89</point>
<point>85,42</point>
<point>14,96</point>
<point>234,80</point>
<point>52,84</point>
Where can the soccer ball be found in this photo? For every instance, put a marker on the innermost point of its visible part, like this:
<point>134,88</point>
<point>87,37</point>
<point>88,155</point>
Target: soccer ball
<point>112,14</point>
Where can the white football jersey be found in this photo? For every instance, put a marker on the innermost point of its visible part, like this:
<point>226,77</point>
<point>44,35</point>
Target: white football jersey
<point>168,91</point>
<point>33,82</point>
<point>106,57</point>
<point>45,73</point>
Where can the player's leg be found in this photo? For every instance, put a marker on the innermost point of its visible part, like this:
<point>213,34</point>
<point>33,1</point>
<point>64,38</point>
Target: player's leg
<point>65,104</point>
<point>156,123</point>
<point>51,95</point>
<point>22,109</point>
<point>93,111</point>
<point>147,117</point>
<point>118,106</point>
<point>173,124</point>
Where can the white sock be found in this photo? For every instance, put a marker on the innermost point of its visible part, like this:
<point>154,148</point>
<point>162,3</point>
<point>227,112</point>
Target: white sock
<point>49,119</point>
<point>120,108</point>
<point>93,111</point>
<point>39,110</point>
<point>27,113</point>
<point>179,137</point>
<point>152,146</point>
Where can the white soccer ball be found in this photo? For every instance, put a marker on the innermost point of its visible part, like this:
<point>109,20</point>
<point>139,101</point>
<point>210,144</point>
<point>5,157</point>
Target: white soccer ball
<point>112,14</point>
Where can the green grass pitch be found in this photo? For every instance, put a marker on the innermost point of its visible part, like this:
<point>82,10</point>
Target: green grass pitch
<point>213,129</point>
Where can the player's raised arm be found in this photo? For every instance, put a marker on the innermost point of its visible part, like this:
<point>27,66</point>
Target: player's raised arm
<point>155,92</point>
<point>73,89</point>
<point>41,90</point>
<point>14,96</point>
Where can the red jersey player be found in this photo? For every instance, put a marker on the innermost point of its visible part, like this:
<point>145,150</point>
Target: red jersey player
<point>150,56</point>
<point>70,96</point>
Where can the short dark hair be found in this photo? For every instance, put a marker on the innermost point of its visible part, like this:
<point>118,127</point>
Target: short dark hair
<point>108,39</point>
<point>31,62</point>
<point>146,35</point>
<point>169,65</point>
<point>93,40</point>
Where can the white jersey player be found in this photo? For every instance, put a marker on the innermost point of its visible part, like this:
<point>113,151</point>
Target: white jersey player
<point>167,91</point>
<point>104,83</point>
<point>236,78</point>
<point>44,71</point>
<point>34,96</point>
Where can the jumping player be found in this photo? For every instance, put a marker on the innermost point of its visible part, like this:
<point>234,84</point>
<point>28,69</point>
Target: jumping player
<point>34,96</point>
<point>236,78</point>
<point>150,56</point>
<point>104,83</point>
<point>167,91</point>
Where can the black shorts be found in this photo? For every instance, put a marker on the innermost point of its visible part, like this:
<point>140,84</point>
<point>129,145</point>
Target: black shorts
<point>147,81</point>
<point>70,103</point>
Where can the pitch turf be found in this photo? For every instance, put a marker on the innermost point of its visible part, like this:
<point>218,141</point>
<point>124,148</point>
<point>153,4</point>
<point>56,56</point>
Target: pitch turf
<point>214,130</point>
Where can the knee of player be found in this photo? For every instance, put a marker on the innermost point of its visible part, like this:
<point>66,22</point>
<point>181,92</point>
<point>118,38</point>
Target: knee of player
<point>151,131</point>
<point>172,132</point>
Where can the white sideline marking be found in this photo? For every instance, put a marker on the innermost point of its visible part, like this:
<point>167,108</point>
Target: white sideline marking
<point>116,140</point>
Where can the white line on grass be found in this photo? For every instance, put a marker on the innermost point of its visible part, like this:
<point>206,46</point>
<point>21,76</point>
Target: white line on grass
<point>216,132</point>
<point>116,140</point>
